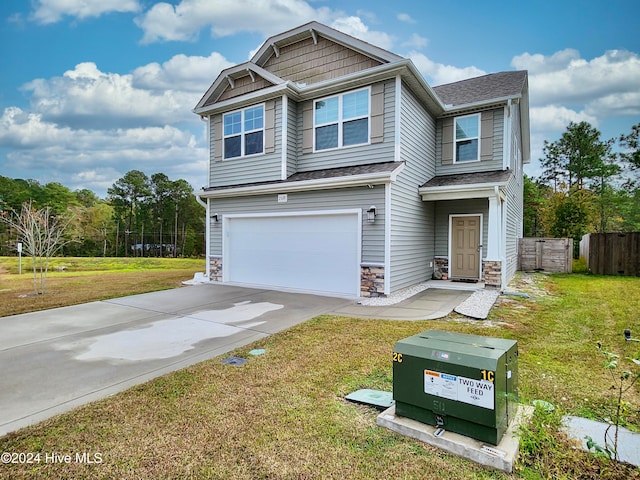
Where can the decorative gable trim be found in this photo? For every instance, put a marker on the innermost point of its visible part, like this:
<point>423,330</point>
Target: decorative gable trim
<point>315,30</point>
<point>229,78</point>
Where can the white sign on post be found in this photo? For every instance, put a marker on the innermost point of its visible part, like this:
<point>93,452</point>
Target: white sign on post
<point>19,258</point>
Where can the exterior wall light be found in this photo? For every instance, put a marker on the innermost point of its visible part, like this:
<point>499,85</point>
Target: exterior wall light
<point>371,214</point>
<point>215,217</point>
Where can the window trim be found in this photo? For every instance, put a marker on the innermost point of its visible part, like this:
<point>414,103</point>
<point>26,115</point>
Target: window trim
<point>456,140</point>
<point>244,132</point>
<point>341,121</point>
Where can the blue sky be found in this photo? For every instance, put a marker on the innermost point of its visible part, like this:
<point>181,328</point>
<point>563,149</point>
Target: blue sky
<point>90,89</point>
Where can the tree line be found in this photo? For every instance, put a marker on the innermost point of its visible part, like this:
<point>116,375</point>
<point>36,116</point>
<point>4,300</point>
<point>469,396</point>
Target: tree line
<point>585,186</point>
<point>141,216</point>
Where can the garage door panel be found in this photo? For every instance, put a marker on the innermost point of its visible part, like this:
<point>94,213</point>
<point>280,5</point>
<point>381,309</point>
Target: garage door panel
<point>304,252</point>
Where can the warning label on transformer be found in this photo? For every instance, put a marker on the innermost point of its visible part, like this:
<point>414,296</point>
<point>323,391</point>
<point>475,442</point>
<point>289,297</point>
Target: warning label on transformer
<point>461,389</point>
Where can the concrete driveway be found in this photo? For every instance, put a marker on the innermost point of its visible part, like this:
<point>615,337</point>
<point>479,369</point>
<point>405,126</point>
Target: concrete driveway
<point>55,360</point>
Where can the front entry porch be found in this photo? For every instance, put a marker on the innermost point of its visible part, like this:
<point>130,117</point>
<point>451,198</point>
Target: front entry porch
<point>470,216</point>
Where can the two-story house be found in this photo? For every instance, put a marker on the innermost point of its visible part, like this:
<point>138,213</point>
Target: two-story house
<point>336,169</point>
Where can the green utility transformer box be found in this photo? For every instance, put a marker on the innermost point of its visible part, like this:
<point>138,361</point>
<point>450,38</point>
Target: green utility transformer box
<point>466,384</point>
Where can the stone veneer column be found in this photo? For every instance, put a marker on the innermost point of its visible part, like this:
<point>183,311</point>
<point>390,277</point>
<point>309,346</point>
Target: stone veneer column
<point>492,273</point>
<point>215,272</point>
<point>371,281</point>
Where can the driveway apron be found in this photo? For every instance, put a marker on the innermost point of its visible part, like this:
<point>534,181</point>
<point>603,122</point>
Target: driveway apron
<point>55,360</point>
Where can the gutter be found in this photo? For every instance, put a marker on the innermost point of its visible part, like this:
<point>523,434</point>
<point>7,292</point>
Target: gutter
<point>481,104</point>
<point>199,199</point>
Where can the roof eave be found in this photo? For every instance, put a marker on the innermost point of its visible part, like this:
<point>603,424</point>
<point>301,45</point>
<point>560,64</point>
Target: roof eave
<point>457,192</point>
<point>287,88</point>
<point>405,68</point>
<point>482,104</point>
<point>306,185</point>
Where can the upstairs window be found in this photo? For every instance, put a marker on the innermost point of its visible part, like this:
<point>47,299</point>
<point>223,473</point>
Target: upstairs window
<point>342,121</point>
<point>244,132</point>
<point>467,139</point>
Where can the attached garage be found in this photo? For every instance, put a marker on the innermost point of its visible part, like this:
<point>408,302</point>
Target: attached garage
<point>316,252</point>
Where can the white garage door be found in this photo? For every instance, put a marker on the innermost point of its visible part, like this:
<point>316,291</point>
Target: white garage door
<point>314,253</point>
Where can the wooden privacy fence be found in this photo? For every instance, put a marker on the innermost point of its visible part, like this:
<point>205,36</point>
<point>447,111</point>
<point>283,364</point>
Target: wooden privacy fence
<point>612,253</point>
<point>551,255</point>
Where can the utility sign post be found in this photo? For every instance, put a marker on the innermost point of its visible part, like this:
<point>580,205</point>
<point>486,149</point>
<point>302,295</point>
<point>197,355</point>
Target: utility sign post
<point>20,258</point>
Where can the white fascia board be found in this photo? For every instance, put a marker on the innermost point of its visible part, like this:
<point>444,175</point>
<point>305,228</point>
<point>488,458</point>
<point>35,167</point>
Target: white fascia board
<point>482,190</point>
<point>459,109</point>
<point>307,185</point>
<point>351,80</point>
<point>248,99</point>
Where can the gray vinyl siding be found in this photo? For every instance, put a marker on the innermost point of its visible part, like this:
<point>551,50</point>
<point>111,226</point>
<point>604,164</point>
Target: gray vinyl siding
<point>356,155</point>
<point>412,226</point>
<point>254,168</point>
<point>487,163</point>
<point>513,227</point>
<point>514,202</point>
<point>292,137</point>
<point>444,209</point>
<point>337,199</point>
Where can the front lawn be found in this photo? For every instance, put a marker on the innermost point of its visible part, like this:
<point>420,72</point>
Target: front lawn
<point>283,414</point>
<point>74,280</point>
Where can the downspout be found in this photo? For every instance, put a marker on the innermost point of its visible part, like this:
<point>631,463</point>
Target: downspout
<point>506,153</point>
<point>285,132</point>
<point>207,230</point>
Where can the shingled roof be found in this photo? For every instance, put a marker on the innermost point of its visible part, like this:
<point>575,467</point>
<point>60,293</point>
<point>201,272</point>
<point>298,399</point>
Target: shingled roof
<point>479,89</point>
<point>325,174</point>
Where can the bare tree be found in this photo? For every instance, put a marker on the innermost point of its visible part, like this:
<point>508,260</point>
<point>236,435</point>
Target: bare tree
<point>42,235</point>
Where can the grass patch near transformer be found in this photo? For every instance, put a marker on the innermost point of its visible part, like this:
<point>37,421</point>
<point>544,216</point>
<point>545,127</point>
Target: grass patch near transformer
<point>283,414</point>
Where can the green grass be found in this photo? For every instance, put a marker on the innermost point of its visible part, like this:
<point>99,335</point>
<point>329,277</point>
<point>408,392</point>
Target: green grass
<point>283,414</point>
<point>101,264</point>
<point>89,279</point>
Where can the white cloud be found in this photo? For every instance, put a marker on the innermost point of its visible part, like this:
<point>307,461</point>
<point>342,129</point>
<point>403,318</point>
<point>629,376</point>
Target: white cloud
<point>86,96</point>
<point>95,159</point>
<point>552,118</point>
<point>566,78</point>
<point>405,17</point>
<point>184,21</point>
<point>439,74</point>
<point>52,11</point>
<point>538,63</point>
<point>193,74</point>
<point>565,88</point>
<point>616,104</point>
<point>356,28</point>
<point>416,41</point>
<point>87,127</point>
